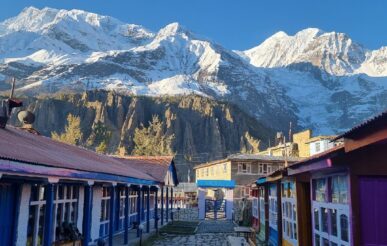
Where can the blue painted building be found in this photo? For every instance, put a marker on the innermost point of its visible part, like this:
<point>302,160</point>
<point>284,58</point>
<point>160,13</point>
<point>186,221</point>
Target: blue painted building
<point>46,185</point>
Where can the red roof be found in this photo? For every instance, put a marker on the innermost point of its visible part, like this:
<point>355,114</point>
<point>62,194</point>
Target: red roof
<point>154,166</point>
<point>19,145</point>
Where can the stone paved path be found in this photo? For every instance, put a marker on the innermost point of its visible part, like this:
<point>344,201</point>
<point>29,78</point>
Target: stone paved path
<point>211,233</point>
<point>200,239</point>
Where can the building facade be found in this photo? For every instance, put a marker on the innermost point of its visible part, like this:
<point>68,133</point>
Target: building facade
<point>243,169</point>
<point>335,197</point>
<point>53,192</point>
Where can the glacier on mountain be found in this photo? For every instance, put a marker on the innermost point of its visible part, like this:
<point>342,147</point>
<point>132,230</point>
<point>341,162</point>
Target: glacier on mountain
<point>317,79</point>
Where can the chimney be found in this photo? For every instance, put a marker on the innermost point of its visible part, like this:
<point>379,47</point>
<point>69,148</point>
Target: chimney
<point>7,105</point>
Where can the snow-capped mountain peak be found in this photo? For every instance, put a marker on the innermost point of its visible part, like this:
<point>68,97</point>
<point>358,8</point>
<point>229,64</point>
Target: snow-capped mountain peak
<point>322,80</point>
<point>335,53</point>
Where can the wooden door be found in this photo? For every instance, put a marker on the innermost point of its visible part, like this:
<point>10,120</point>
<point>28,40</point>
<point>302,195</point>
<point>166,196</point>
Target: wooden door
<point>373,211</point>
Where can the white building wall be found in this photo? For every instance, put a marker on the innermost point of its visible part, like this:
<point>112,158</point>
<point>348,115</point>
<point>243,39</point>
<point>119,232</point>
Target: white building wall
<point>96,212</point>
<point>81,199</point>
<point>229,203</point>
<point>22,225</point>
<point>324,146</point>
<point>202,203</point>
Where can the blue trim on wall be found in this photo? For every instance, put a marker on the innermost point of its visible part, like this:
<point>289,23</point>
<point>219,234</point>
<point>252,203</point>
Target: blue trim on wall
<point>112,213</point>
<point>138,211</point>
<point>126,222</point>
<point>19,189</point>
<point>148,210</point>
<point>48,221</point>
<point>162,206</point>
<point>261,181</point>
<point>155,211</point>
<point>167,204</point>
<point>173,170</point>
<point>215,183</point>
<point>87,214</point>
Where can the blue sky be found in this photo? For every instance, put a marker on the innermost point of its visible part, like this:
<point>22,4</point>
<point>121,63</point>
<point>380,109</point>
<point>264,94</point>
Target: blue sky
<point>237,24</point>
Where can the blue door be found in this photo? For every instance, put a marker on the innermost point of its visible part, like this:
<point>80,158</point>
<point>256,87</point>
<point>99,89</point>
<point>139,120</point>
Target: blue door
<point>7,213</point>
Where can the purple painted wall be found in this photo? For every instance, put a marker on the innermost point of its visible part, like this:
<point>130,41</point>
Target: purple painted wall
<point>373,210</point>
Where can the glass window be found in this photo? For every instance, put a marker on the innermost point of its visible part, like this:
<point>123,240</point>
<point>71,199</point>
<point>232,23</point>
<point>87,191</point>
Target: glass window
<point>65,210</point>
<point>294,212</point>
<point>324,219</point>
<point>284,189</point>
<point>333,214</point>
<point>325,242</point>
<point>344,227</point>
<point>244,168</point>
<point>339,189</point>
<point>292,189</point>
<point>295,231</point>
<point>316,240</point>
<point>316,220</point>
<point>318,146</point>
<point>320,190</point>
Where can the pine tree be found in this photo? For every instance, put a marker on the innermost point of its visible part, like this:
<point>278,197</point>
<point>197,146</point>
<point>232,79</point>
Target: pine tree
<point>152,140</point>
<point>72,134</point>
<point>99,138</point>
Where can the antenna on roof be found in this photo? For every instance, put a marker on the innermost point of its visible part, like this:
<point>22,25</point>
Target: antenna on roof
<point>6,106</point>
<point>290,132</point>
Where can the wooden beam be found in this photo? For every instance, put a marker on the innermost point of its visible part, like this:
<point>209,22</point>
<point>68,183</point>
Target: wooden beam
<point>353,144</point>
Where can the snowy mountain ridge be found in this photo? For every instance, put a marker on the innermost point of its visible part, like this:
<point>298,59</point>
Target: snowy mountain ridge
<point>314,79</point>
<point>333,52</point>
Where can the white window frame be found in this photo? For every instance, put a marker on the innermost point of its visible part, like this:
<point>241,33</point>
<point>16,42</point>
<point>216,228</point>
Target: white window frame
<point>341,209</point>
<point>289,216</point>
<point>247,170</point>
<point>133,203</point>
<point>273,210</point>
<point>64,202</point>
<point>261,210</point>
<point>317,147</point>
<point>106,212</point>
<point>255,207</point>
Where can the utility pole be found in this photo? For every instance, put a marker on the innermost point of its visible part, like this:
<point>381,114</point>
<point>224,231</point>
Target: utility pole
<point>13,81</point>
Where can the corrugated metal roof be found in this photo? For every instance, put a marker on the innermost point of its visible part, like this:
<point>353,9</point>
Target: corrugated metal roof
<point>250,157</point>
<point>19,145</point>
<point>154,166</point>
<point>262,157</point>
<point>374,123</point>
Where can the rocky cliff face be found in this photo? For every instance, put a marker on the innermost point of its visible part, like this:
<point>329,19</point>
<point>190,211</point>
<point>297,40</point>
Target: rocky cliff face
<point>204,129</point>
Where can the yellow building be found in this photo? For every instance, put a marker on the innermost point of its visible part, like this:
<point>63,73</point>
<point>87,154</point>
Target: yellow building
<point>302,145</point>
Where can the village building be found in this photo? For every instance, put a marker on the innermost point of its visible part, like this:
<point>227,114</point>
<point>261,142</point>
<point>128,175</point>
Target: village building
<point>48,188</point>
<point>300,144</point>
<point>321,144</point>
<point>234,176</point>
<point>331,198</point>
